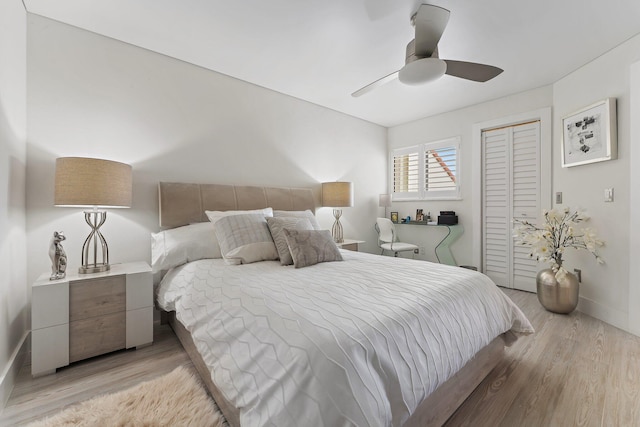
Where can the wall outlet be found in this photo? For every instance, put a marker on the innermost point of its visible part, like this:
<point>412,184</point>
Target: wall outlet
<point>578,274</point>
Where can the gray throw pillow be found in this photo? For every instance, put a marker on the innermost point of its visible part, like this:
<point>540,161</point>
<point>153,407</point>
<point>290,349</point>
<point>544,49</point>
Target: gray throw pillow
<point>309,247</point>
<point>277,226</point>
<point>299,214</point>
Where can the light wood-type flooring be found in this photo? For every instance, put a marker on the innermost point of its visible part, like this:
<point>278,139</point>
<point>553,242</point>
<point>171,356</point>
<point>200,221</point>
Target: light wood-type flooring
<point>574,371</point>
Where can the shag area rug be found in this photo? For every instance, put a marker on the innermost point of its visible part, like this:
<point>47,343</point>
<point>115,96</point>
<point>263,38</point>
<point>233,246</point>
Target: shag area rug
<point>175,399</point>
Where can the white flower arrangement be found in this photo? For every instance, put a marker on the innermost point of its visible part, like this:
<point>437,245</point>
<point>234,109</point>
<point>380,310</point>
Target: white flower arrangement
<point>561,230</point>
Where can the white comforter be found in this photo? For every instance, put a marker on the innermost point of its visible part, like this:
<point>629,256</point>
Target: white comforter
<point>360,342</point>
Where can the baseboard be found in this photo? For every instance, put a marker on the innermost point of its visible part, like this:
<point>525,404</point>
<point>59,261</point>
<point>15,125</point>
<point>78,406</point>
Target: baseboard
<point>609,315</point>
<point>10,374</point>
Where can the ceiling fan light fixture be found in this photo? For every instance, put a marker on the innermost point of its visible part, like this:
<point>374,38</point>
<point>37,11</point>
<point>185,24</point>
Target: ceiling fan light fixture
<point>422,71</point>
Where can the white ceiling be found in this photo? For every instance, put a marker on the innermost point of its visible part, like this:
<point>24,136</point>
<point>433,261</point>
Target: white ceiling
<point>321,51</point>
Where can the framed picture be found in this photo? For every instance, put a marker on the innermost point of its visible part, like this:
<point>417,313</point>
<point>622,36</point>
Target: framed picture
<point>590,135</point>
<point>394,216</point>
<point>419,215</point>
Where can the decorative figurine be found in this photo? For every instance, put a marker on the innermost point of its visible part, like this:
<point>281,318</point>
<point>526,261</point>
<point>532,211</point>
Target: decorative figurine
<point>58,256</point>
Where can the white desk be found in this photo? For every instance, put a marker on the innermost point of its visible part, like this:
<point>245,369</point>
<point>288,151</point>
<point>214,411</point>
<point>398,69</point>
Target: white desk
<point>443,250</point>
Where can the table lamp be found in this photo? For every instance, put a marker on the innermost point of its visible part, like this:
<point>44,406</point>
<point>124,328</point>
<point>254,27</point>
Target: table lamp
<point>384,202</point>
<point>81,181</point>
<point>337,195</point>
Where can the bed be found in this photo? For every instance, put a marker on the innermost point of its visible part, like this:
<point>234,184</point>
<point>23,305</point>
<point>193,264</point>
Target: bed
<point>370,340</point>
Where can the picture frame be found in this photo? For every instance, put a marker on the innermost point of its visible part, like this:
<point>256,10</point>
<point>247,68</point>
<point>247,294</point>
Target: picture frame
<point>589,135</point>
<point>419,215</point>
<point>394,217</point>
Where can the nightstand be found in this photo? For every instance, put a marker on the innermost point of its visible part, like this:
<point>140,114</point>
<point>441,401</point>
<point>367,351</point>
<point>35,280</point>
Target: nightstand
<point>86,315</point>
<point>349,244</point>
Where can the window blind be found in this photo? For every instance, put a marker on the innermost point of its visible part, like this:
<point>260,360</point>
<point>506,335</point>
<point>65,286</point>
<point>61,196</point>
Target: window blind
<point>406,172</point>
<point>426,171</point>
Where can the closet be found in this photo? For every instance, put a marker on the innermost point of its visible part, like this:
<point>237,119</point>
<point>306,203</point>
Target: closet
<point>511,190</point>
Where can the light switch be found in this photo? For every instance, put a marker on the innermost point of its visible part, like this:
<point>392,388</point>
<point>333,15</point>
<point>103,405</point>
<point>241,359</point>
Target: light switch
<point>559,197</point>
<point>608,194</point>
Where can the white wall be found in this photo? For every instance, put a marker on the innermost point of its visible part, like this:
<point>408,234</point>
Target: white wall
<point>13,264</point>
<point>442,126</point>
<point>604,292</point>
<point>634,201</point>
<point>93,96</point>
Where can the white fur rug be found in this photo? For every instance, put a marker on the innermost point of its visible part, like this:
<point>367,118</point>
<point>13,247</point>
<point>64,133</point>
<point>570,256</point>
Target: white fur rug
<point>175,399</point>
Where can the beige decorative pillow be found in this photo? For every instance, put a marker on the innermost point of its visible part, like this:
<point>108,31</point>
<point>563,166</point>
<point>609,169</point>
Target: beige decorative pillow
<point>299,214</point>
<point>309,247</point>
<point>245,239</point>
<point>277,226</point>
<point>214,216</point>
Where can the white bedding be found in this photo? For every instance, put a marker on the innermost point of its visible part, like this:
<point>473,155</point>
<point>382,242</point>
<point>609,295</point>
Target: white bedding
<point>359,342</point>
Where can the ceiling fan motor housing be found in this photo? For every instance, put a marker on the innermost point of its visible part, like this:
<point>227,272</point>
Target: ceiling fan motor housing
<point>419,70</point>
<point>422,71</point>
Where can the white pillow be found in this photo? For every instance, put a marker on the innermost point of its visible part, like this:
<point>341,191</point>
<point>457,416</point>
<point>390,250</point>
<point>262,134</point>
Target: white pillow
<point>171,248</point>
<point>277,226</point>
<point>300,214</point>
<point>214,216</point>
<point>245,239</point>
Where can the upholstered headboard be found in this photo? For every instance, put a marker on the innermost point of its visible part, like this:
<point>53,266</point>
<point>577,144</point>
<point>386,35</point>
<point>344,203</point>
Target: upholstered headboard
<point>184,203</point>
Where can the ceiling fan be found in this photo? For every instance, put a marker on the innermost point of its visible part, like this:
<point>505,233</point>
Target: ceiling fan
<point>422,63</point>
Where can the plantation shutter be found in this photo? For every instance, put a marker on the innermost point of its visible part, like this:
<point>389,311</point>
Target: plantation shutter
<point>406,173</point>
<point>426,172</point>
<point>511,190</point>
<point>440,169</point>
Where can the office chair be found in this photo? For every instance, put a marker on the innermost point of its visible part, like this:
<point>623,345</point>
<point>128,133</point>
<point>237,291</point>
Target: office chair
<point>387,240</point>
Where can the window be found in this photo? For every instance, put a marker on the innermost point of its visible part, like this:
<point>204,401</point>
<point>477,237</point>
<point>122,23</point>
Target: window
<point>426,171</point>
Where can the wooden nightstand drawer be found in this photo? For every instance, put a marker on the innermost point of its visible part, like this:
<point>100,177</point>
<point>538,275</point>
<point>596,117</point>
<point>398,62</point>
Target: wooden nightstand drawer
<point>350,244</point>
<point>97,335</point>
<point>350,247</point>
<point>96,297</point>
<point>86,315</point>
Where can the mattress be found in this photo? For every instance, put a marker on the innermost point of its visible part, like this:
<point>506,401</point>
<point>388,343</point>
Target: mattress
<point>358,342</point>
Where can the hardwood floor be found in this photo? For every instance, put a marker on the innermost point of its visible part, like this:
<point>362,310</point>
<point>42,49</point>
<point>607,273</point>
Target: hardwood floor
<point>574,371</point>
<point>34,398</point>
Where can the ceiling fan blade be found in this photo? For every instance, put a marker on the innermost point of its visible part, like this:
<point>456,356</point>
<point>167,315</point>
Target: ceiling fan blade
<point>430,22</point>
<point>375,84</point>
<point>472,70</point>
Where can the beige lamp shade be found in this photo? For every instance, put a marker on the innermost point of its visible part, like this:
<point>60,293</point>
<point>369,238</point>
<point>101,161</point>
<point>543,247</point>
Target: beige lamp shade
<point>82,181</point>
<point>337,194</point>
<point>384,201</point>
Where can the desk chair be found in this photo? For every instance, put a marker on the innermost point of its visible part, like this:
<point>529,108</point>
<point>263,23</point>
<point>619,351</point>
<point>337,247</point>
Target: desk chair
<point>387,240</point>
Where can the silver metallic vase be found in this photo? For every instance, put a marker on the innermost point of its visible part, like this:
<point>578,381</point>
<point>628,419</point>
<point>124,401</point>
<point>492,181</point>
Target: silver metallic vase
<point>557,296</point>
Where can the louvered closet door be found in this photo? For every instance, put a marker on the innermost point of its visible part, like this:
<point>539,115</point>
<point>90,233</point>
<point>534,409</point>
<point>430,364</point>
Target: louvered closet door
<point>526,202</point>
<point>496,201</point>
<point>511,190</point>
